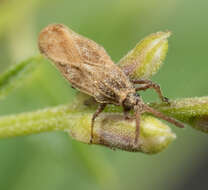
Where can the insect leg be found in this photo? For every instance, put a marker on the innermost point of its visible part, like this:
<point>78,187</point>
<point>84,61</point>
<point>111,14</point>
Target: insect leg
<point>149,84</point>
<point>126,112</point>
<point>137,131</point>
<point>162,116</point>
<point>98,111</point>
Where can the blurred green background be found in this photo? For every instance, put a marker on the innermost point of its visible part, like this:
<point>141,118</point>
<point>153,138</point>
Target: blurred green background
<point>52,161</point>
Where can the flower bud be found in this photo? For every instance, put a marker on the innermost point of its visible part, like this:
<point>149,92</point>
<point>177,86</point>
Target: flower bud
<point>113,131</point>
<point>146,58</point>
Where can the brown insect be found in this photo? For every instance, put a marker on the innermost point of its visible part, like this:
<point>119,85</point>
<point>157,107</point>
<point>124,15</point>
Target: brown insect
<point>87,66</point>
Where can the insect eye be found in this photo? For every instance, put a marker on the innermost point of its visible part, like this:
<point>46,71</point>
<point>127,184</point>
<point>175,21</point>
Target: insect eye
<point>137,95</point>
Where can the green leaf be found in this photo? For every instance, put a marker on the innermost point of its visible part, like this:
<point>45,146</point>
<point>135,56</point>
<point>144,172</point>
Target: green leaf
<point>17,74</point>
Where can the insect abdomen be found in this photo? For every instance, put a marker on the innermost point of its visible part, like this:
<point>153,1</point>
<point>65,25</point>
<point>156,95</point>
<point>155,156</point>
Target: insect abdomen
<point>114,87</point>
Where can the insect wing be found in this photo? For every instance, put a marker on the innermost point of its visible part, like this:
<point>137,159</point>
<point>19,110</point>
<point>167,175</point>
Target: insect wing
<point>85,64</point>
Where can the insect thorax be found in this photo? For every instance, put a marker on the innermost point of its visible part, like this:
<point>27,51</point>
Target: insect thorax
<point>131,100</point>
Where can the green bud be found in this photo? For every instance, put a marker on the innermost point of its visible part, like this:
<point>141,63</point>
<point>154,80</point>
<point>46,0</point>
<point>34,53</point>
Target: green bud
<point>113,131</point>
<point>146,58</point>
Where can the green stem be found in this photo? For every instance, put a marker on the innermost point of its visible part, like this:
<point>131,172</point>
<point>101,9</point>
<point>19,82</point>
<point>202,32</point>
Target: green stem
<point>193,111</point>
<point>110,128</point>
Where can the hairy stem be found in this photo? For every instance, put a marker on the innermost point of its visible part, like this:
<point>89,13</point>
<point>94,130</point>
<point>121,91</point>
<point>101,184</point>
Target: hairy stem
<point>111,129</point>
<point>193,111</point>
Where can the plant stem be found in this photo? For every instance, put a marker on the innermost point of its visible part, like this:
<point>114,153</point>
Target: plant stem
<point>193,111</point>
<point>111,129</point>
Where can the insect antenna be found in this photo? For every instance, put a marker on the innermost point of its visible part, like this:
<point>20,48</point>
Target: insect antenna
<point>162,116</point>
